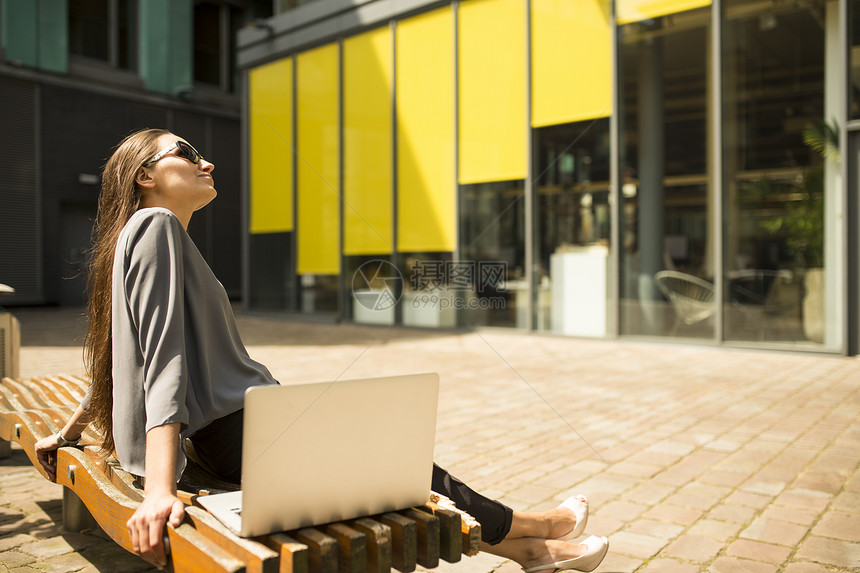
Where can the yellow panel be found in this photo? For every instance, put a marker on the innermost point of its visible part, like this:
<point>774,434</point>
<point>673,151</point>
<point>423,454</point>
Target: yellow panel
<point>271,134</point>
<point>492,82</point>
<point>635,10</point>
<point>318,219</point>
<point>571,61</point>
<point>367,144</point>
<point>426,190</point>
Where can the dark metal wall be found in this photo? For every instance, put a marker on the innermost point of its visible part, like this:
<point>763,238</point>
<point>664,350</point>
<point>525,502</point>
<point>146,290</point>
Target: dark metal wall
<point>48,201</point>
<point>19,254</point>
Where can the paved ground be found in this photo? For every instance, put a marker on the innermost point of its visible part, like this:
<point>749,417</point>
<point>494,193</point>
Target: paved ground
<point>694,459</point>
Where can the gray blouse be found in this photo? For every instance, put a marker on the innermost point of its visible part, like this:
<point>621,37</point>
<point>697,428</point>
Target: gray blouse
<point>177,355</point>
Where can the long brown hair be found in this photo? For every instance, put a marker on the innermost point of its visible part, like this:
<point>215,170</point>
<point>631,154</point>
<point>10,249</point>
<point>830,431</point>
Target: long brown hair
<point>118,201</point>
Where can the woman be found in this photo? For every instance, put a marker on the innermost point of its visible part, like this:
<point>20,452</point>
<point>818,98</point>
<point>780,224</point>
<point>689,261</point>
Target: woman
<point>167,363</point>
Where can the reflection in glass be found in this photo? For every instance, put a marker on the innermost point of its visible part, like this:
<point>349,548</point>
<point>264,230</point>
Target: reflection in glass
<point>431,290</point>
<point>89,29</point>
<point>572,228</point>
<point>318,294</point>
<point>666,273</point>
<point>781,165</point>
<point>271,284</point>
<point>374,285</point>
<point>854,57</point>
<point>492,253</point>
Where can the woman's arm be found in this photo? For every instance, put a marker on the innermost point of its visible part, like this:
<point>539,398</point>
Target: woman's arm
<point>46,447</point>
<point>160,504</point>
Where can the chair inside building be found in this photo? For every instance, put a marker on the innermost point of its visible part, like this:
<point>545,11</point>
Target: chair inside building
<point>692,298</point>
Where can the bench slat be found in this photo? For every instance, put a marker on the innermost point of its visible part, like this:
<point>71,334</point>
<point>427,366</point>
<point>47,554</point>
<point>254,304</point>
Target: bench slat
<point>61,388</point>
<point>404,538</point>
<point>50,394</point>
<point>378,544</point>
<point>428,537</point>
<point>352,549</point>
<point>294,555</point>
<point>323,550</point>
<point>470,529</point>
<point>450,541</point>
<point>25,394</point>
<point>257,557</point>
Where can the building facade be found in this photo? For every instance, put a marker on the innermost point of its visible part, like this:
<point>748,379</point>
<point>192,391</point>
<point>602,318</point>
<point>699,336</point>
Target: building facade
<point>76,76</point>
<point>680,169</point>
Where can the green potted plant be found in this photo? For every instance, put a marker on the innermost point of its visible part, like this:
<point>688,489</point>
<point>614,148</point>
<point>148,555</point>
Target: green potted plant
<point>802,224</point>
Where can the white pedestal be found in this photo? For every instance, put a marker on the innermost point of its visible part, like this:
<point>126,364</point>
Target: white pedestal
<point>434,309</point>
<point>579,285</point>
<point>364,309</point>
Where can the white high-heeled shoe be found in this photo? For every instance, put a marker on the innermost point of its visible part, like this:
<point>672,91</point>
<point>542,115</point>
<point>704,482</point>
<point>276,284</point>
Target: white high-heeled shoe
<point>580,510</point>
<point>588,561</point>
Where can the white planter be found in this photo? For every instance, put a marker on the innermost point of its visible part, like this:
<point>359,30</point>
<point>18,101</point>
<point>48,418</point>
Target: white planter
<point>434,309</point>
<point>369,307</point>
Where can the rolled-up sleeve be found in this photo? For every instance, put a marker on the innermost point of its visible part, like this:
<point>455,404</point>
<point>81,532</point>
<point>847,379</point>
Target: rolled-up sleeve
<point>154,286</point>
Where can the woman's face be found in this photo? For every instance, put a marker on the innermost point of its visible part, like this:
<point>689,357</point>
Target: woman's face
<point>177,182</point>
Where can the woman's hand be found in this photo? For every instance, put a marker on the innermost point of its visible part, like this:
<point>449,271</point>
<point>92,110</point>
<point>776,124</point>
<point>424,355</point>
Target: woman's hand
<point>46,448</point>
<point>146,526</point>
<point>46,453</point>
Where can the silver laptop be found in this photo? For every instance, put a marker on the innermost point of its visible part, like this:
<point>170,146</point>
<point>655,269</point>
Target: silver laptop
<point>323,452</point>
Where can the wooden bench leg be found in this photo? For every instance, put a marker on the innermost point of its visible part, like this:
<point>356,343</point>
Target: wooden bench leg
<point>5,449</point>
<point>76,516</point>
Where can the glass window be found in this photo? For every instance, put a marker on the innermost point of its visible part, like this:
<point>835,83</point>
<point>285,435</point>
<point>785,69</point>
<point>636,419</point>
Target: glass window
<point>104,30</point>
<point>284,5</point>
<point>666,271</point>
<point>89,29</point>
<point>272,283</point>
<point>207,43</point>
<point>491,270</point>
<point>854,57</point>
<point>430,296</point>
<point>571,242</point>
<point>781,162</point>
<point>318,294</point>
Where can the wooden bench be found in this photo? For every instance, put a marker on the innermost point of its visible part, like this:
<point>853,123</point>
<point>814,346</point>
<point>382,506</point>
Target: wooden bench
<point>99,490</point>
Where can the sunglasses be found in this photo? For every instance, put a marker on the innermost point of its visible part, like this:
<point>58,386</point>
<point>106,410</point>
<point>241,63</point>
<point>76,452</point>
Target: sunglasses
<point>185,151</point>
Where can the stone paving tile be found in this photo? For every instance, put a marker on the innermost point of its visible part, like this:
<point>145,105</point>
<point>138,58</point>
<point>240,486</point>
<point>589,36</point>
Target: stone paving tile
<point>806,567</point>
<point>764,552</point>
<point>674,514</point>
<point>774,531</point>
<point>831,552</point>
<point>669,566</point>
<point>694,459</point>
<point>794,515</point>
<point>636,544</point>
<point>721,531</point>
<point>847,501</point>
<point>693,548</point>
<point>839,525</point>
<point>804,499</point>
<point>733,565</point>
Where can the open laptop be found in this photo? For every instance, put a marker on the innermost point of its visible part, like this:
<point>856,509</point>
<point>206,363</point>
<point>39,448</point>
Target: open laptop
<point>323,452</point>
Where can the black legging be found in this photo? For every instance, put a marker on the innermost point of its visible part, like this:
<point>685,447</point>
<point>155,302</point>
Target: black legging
<point>219,446</point>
